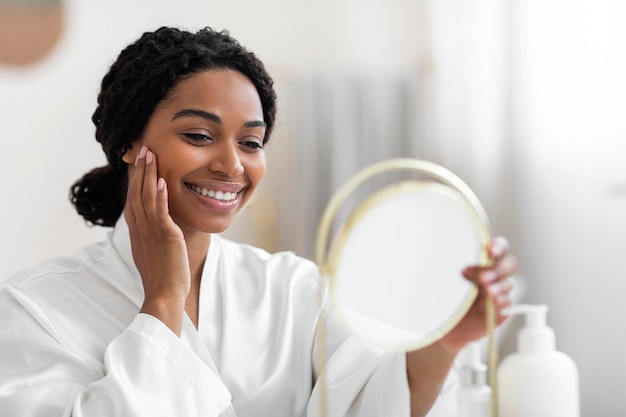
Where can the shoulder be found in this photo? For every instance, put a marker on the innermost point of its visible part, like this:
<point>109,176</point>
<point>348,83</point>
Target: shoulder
<point>63,266</point>
<point>93,273</point>
<point>88,293</point>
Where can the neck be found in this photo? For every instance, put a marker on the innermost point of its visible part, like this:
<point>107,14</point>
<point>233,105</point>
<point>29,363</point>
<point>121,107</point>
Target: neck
<point>197,247</point>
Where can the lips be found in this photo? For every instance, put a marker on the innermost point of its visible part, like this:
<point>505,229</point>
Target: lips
<point>219,195</point>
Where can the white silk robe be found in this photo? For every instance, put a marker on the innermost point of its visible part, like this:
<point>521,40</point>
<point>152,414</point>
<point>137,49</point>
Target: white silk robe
<point>73,343</point>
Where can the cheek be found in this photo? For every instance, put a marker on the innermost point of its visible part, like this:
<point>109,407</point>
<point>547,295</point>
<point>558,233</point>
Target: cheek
<point>258,166</point>
<point>174,162</point>
<point>171,172</point>
<point>257,171</point>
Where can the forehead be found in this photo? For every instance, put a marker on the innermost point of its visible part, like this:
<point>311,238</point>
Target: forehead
<point>222,91</point>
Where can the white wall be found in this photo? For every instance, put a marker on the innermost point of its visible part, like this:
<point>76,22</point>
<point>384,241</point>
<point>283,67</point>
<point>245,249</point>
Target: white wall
<point>570,145</point>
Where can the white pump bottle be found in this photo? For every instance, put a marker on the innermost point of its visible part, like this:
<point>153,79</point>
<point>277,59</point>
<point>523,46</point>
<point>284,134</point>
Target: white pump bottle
<point>537,380</point>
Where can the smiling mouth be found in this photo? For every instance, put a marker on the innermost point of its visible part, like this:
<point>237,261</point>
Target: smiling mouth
<point>224,196</point>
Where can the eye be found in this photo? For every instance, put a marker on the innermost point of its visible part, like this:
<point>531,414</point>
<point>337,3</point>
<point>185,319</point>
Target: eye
<point>197,137</point>
<point>252,145</point>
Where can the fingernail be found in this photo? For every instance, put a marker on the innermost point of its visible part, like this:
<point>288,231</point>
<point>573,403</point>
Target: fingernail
<point>148,158</point>
<point>488,276</point>
<point>493,289</point>
<point>142,154</point>
<point>498,247</point>
<point>160,184</point>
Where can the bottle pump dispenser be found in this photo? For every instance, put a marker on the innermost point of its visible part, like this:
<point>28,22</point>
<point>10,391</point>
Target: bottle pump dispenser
<point>537,380</point>
<point>474,398</point>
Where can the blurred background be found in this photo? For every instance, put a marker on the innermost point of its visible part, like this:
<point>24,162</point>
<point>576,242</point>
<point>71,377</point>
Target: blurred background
<point>524,100</point>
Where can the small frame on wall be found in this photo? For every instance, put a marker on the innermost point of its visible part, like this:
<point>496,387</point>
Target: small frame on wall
<point>29,30</point>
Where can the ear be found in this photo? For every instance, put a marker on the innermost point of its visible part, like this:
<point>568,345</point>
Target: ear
<point>131,154</point>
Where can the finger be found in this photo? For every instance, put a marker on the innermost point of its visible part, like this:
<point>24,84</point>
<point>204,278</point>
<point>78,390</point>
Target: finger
<point>135,187</point>
<point>162,209</point>
<point>502,304</point>
<point>471,273</point>
<point>128,213</point>
<point>474,273</point>
<point>149,189</point>
<point>500,270</point>
<point>487,276</point>
<point>499,288</point>
<point>480,276</point>
<point>498,248</point>
<point>500,294</point>
<point>505,267</point>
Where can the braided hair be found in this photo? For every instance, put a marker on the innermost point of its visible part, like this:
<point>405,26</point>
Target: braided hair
<point>138,80</point>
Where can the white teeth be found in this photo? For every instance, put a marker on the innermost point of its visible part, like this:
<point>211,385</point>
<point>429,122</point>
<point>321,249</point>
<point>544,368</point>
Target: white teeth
<point>218,195</point>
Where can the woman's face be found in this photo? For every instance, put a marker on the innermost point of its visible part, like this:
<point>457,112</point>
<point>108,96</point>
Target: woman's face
<point>208,140</point>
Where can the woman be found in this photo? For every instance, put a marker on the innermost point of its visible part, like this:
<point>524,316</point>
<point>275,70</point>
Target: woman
<point>167,318</point>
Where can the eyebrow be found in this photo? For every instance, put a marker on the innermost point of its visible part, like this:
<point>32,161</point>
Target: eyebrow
<point>212,117</point>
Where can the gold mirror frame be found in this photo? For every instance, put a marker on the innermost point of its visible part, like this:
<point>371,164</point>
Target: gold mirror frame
<point>327,258</point>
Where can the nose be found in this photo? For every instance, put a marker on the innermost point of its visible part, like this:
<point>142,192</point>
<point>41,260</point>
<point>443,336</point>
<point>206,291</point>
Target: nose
<point>226,160</point>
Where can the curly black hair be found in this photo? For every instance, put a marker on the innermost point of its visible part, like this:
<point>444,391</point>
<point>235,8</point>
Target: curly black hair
<point>138,80</point>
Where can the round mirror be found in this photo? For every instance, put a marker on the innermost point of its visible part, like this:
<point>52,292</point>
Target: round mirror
<point>395,264</point>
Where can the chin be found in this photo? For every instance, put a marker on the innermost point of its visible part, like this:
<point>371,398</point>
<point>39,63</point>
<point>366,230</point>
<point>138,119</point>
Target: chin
<point>213,226</point>
<point>218,229</point>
